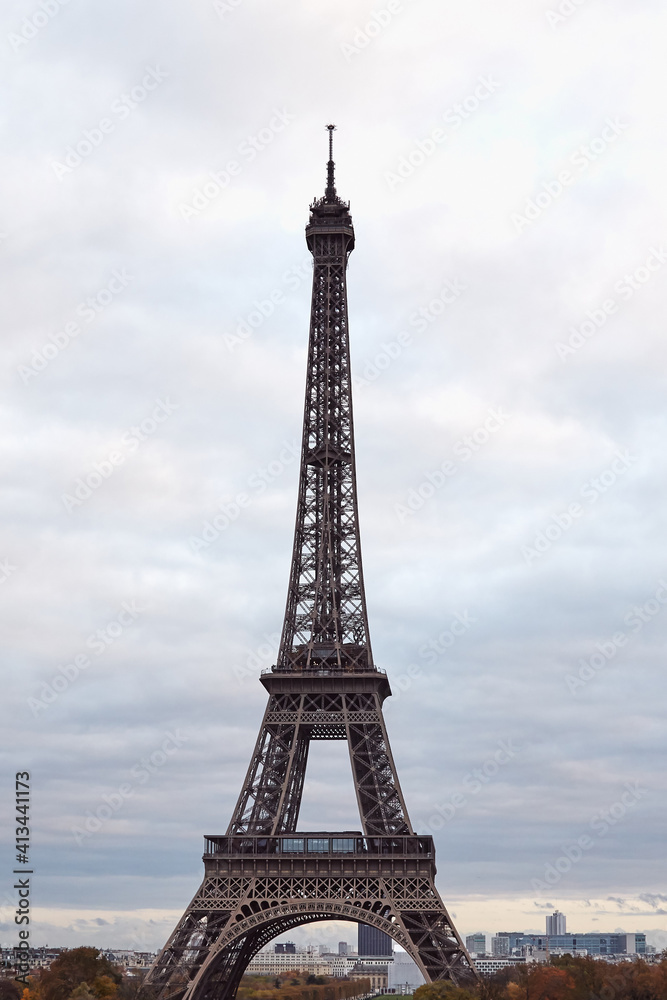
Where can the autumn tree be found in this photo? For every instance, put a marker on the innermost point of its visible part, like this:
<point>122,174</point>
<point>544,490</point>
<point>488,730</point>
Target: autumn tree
<point>660,975</point>
<point>82,992</point>
<point>9,990</point>
<point>634,980</point>
<point>586,972</point>
<point>444,990</point>
<point>541,982</point>
<point>134,985</point>
<point>77,967</point>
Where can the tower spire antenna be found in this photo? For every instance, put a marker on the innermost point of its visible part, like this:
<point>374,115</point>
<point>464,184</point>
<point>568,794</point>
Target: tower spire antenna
<point>330,193</point>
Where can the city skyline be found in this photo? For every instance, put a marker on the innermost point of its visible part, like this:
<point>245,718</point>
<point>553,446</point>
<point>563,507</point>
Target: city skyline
<point>283,944</point>
<point>507,357</point>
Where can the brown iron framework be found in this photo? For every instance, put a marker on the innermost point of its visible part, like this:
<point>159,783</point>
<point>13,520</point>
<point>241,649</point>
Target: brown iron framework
<point>264,877</point>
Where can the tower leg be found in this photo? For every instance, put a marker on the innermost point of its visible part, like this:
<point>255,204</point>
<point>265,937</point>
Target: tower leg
<point>271,795</point>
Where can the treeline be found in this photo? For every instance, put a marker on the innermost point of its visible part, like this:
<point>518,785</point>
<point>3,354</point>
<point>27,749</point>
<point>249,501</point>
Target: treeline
<point>290,987</point>
<point>83,974</point>
<point>565,978</point>
<point>79,974</point>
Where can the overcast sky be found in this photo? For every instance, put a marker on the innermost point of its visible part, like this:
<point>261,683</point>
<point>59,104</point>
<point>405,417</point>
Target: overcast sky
<point>505,165</point>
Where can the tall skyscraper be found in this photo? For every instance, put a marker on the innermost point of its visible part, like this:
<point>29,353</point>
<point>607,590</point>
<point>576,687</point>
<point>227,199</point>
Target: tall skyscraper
<point>556,923</point>
<point>372,942</point>
<point>288,948</point>
<point>476,943</point>
<point>500,945</point>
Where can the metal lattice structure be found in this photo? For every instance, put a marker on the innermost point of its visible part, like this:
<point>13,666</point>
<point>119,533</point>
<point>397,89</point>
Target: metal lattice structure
<point>264,877</point>
<point>326,622</point>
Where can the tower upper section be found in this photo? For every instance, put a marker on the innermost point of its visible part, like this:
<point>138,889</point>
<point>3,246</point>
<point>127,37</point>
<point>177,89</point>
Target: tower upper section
<point>330,214</point>
<point>326,624</point>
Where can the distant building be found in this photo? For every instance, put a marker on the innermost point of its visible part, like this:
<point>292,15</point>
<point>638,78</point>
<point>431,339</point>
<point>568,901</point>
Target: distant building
<point>342,947</point>
<point>510,935</point>
<point>272,963</point>
<point>403,975</point>
<point>500,945</point>
<point>489,966</point>
<point>339,965</point>
<point>373,942</point>
<point>37,958</point>
<point>476,944</point>
<point>42,957</point>
<point>556,923</point>
<point>596,943</point>
<point>376,973</point>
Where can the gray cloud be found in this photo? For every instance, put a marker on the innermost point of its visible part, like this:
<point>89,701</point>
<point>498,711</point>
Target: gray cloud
<point>182,663</point>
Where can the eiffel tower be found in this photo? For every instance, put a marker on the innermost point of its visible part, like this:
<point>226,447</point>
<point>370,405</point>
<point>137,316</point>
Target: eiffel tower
<point>265,877</point>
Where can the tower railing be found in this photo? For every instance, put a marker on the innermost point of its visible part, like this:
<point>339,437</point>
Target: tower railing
<point>320,844</point>
<point>332,671</point>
